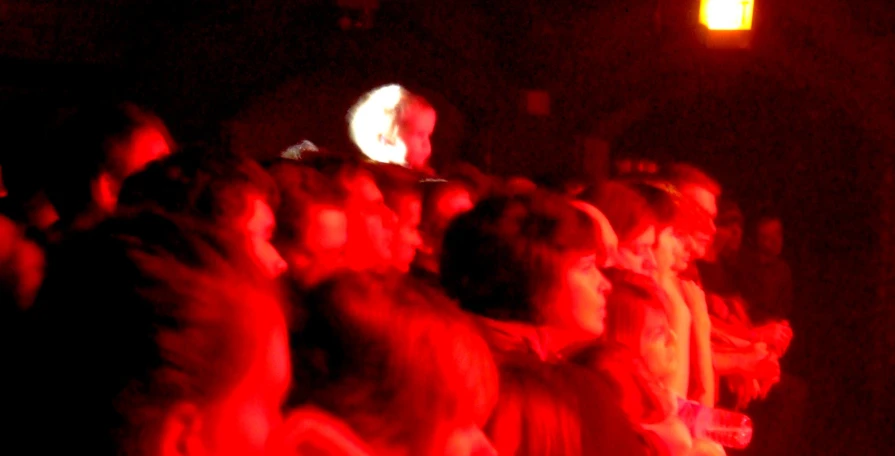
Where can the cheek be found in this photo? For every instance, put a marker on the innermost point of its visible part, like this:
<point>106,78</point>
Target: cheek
<point>244,430</point>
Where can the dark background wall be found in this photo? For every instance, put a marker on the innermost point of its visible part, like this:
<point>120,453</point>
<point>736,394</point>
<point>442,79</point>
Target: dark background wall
<point>804,121</point>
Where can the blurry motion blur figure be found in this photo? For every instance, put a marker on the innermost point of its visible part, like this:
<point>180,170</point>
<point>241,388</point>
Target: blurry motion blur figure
<point>392,125</point>
<point>168,344</point>
<point>235,192</point>
<point>92,154</point>
<point>21,268</point>
<point>312,225</point>
<point>526,266</point>
<point>402,194</point>
<point>358,359</point>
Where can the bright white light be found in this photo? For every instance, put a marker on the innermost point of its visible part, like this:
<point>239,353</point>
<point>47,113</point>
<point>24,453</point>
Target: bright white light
<point>373,127</point>
<point>727,14</point>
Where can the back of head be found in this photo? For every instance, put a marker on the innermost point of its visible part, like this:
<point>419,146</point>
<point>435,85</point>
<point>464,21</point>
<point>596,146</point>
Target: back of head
<point>537,412</point>
<point>369,334</point>
<point>205,183</point>
<point>628,212</point>
<point>631,295</point>
<point>159,317</point>
<point>91,142</point>
<point>505,253</point>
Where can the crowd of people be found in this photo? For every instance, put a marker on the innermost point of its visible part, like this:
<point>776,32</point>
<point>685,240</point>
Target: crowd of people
<point>161,300</point>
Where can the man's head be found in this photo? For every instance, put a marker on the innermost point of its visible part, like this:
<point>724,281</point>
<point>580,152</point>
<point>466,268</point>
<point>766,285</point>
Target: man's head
<point>704,191</point>
<point>95,150</point>
<point>769,235</point>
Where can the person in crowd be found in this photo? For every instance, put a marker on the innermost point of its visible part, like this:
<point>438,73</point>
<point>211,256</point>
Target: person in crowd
<point>641,357</point>
<point>765,277</point>
<point>526,266</point>
<point>401,193</point>
<point>443,201</point>
<point>359,360</point>
<point>169,343</point>
<point>370,221</point>
<point>607,234</point>
<point>312,224</point>
<point>633,222</point>
<point>94,151</point>
<point>698,190</point>
<point>229,190</point>
<point>393,125</point>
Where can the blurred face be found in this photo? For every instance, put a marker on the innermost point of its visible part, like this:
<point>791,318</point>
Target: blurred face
<point>657,344</point>
<point>406,240</point>
<point>416,131</point>
<point>370,225</point>
<point>671,254</point>
<point>29,263</point>
<point>728,239</point>
<point>258,223</point>
<point>322,252</point>
<point>770,237</point>
<point>580,306</point>
<point>637,255</point>
<point>706,201</point>
<point>240,423</point>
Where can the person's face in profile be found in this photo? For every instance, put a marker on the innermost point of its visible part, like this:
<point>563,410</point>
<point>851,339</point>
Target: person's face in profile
<point>671,252</point>
<point>637,255</point>
<point>370,224</point>
<point>708,206</point>
<point>657,343</point>
<point>258,224</point>
<point>580,304</point>
<point>416,132</point>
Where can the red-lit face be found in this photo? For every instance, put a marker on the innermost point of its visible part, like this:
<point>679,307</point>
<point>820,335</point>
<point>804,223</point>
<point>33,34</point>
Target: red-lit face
<point>406,240</point>
<point>770,237</point>
<point>706,201</point>
<point>240,422</point>
<point>258,224</point>
<point>637,254</point>
<point>370,224</point>
<point>580,306</point>
<point>322,252</point>
<point>671,253</point>
<point>415,131</point>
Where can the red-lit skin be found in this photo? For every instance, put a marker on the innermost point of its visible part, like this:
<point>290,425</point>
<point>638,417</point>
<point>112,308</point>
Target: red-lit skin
<point>671,253</point>
<point>577,311</point>
<point>258,223</point>
<point>637,255</point>
<point>701,240</point>
<point>322,252</point>
<point>416,132</point>
<point>370,224</point>
<point>240,422</point>
<point>406,239</point>
<point>657,344</point>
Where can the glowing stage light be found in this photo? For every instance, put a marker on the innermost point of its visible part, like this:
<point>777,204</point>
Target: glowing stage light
<point>726,14</point>
<point>372,124</point>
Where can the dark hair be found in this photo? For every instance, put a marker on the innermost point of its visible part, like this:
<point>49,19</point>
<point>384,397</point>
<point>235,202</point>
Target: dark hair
<point>671,208</point>
<point>537,412</point>
<point>368,335</point>
<point>626,306</point>
<point>628,212</point>
<point>158,317</point>
<point>300,188</point>
<point>499,258</point>
<point>85,146</point>
<point>200,182</point>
